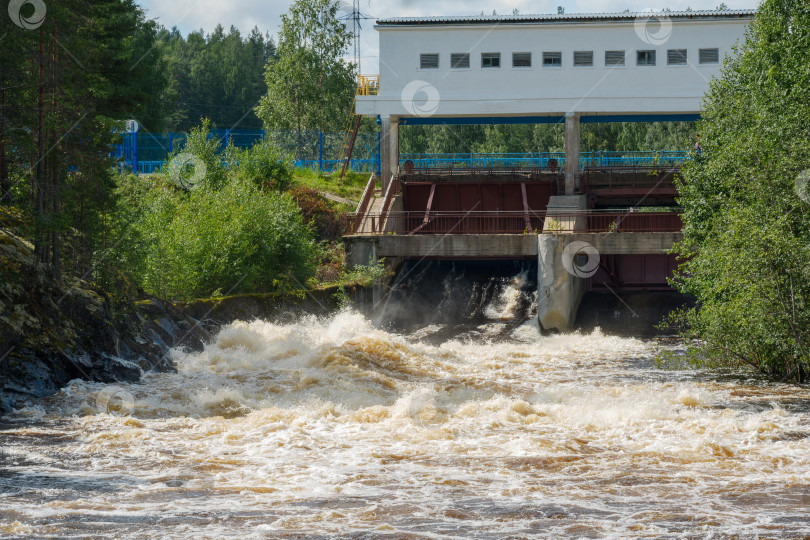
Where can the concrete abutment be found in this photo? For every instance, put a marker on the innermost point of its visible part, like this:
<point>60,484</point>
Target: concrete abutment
<point>559,291</point>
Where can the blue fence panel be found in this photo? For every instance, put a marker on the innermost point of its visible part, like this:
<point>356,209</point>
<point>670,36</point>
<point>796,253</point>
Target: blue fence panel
<point>331,165</point>
<point>147,153</point>
<point>142,151</point>
<point>541,160</point>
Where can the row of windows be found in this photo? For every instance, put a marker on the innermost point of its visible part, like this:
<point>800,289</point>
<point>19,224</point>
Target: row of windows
<point>675,57</point>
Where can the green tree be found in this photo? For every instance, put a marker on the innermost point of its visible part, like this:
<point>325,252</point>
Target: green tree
<point>309,84</point>
<point>512,138</point>
<point>747,226</point>
<point>64,86</point>
<point>206,242</point>
<point>219,76</point>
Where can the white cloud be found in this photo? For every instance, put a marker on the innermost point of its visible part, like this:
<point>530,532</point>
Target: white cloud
<point>190,15</point>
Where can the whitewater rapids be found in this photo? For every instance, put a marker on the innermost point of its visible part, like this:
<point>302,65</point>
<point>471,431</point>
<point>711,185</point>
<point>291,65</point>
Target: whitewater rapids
<point>332,427</point>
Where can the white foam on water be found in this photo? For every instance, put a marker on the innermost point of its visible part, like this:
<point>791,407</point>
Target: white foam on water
<point>505,305</point>
<point>331,426</point>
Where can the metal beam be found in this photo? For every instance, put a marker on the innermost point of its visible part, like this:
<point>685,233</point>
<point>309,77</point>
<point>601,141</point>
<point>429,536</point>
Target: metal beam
<point>427,210</point>
<point>585,119</point>
<point>480,120</point>
<point>613,118</point>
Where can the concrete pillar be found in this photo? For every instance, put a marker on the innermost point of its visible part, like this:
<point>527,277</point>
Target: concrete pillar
<point>559,291</point>
<point>389,148</point>
<point>566,214</point>
<point>385,151</point>
<point>393,141</point>
<point>571,152</point>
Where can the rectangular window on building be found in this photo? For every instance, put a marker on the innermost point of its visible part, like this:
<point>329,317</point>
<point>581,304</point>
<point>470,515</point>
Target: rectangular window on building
<point>676,57</point>
<point>522,59</point>
<point>614,58</point>
<point>491,60</point>
<point>460,60</point>
<point>709,56</point>
<point>583,58</point>
<point>429,61</point>
<point>645,58</point>
<point>552,59</point>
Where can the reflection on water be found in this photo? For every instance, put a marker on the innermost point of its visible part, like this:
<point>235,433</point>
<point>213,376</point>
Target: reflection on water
<point>333,427</point>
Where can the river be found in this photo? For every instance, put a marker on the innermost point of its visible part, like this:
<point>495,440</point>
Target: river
<point>334,427</point>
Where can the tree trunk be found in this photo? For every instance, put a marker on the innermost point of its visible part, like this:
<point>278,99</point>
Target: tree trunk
<point>39,194</point>
<point>5,182</point>
<point>300,138</point>
<point>54,161</point>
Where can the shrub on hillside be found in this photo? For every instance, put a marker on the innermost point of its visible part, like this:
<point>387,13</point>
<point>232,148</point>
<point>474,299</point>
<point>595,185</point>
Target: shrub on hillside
<point>327,222</point>
<point>199,150</point>
<point>265,166</point>
<point>209,242</point>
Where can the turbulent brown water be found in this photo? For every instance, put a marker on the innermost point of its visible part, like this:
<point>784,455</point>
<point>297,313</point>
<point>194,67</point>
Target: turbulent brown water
<point>334,428</point>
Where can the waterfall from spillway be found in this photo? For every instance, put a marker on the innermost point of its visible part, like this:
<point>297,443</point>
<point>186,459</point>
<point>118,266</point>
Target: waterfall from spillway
<point>495,296</point>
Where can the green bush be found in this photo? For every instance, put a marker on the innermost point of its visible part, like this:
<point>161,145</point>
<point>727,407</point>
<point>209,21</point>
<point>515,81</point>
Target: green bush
<point>207,152</point>
<point>265,166</point>
<point>209,242</point>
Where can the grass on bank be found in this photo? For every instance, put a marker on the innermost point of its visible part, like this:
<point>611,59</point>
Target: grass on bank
<point>351,187</point>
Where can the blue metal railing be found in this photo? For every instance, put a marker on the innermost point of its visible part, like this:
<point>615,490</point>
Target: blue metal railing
<point>603,159</point>
<point>331,165</point>
<point>148,153</point>
<point>145,153</point>
<point>535,160</point>
<point>542,160</point>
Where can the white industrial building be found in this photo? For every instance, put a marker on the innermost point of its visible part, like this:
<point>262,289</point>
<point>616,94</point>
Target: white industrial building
<point>547,68</point>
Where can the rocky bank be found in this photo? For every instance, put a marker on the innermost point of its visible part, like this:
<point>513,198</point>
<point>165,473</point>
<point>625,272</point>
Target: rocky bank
<point>54,329</point>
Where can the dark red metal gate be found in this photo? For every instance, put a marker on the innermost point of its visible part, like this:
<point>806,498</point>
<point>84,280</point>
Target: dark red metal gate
<point>633,272</point>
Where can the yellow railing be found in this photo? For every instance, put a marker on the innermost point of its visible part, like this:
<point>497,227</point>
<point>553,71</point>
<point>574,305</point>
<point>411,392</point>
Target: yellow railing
<point>368,85</point>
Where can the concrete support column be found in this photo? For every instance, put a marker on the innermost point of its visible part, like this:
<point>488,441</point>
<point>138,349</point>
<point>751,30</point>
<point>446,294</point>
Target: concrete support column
<point>385,150</point>
<point>559,292</point>
<point>393,152</point>
<point>389,148</point>
<point>571,153</point>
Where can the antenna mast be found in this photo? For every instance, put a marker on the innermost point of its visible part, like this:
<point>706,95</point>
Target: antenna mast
<point>357,17</point>
<point>356,20</point>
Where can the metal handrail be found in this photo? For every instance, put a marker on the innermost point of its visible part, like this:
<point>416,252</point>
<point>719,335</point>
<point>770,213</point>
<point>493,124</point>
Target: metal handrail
<point>368,85</point>
<point>515,222</point>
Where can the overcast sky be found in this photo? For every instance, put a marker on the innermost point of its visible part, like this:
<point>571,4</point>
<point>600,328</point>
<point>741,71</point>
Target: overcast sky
<point>190,15</point>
